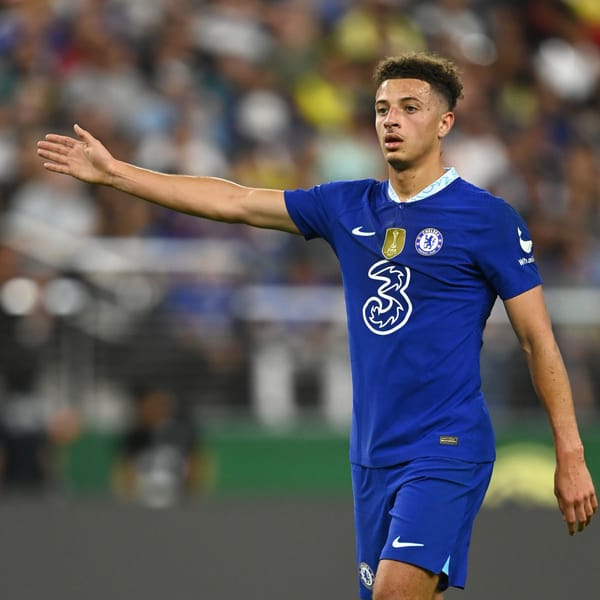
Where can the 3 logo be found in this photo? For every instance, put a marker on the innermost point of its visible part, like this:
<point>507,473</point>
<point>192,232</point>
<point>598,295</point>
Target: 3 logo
<point>391,308</point>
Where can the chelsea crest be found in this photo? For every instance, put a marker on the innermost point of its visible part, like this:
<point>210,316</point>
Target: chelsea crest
<point>429,241</point>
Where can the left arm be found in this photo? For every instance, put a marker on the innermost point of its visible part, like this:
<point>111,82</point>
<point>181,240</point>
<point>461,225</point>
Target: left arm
<point>573,484</point>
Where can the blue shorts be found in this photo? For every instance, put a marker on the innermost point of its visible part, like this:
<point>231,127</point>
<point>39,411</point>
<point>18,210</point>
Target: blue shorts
<point>420,512</point>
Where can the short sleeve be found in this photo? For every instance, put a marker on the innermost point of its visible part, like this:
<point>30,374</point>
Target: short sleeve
<point>310,211</point>
<point>505,252</point>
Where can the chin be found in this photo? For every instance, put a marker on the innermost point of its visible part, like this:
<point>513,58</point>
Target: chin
<point>398,164</point>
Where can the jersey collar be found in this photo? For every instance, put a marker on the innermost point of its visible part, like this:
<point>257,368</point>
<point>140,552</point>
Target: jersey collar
<point>445,180</point>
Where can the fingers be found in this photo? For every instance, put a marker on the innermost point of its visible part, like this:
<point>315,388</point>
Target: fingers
<point>84,135</point>
<point>56,147</point>
<point>57,168</point>
<point>63,140</point>
<point>569,517</point>
<point>55,152</point>
<point>579,514</point>
<point>574,490</point>
<point>52,153</point>
<point>61,144</point>
<point>591,506</point>
<point>52,150</point>
<point>582,518</point>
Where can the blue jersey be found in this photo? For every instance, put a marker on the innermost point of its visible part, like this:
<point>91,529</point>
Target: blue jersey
<point>420,279</point>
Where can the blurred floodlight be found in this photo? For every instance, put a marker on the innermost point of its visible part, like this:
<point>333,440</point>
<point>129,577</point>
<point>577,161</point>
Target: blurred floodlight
<point>226,34</point>
<point>137,293</point>
<point>64,296</point>
<point>523,474</point>
<point>263,116</point>
<point>571,72</point>
<point>19,296</point>
<point>478,48</point>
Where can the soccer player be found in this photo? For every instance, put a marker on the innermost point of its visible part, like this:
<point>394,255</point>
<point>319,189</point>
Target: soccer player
<point>423,257</point>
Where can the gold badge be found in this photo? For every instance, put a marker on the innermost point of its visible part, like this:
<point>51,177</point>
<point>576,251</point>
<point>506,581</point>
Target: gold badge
<point>394,242</point>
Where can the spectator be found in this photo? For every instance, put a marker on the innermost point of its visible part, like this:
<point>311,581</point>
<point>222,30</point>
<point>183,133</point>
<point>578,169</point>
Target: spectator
<point>160,457</point>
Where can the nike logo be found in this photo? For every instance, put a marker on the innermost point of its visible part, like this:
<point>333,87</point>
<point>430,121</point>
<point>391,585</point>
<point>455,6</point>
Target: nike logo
<point>398,544</point>
<point>526,245</point>
<point>358,231</point>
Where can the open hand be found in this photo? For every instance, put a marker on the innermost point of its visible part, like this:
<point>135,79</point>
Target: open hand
<point>84,158</point>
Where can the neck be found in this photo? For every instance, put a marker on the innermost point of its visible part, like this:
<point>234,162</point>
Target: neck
<point>409,182</point>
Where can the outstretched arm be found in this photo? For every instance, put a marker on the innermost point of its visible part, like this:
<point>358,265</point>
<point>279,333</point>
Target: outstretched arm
<point>573,485</point>
<point>85,158</point>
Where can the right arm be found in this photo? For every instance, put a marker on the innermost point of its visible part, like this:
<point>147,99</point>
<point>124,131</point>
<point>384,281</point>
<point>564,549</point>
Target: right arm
<point>87,159</point>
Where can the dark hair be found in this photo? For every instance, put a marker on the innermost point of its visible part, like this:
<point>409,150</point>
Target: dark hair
<point>441,73</point>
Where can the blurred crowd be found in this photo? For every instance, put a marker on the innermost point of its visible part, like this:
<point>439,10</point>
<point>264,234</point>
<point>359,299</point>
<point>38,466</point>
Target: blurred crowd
<point>271,93</point>
<point>278,93</point>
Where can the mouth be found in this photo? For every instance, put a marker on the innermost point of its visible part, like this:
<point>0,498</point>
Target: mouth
<point>392,141</point>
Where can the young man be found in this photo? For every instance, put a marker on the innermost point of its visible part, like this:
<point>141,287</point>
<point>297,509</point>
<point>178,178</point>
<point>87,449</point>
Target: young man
<point>423,256</point>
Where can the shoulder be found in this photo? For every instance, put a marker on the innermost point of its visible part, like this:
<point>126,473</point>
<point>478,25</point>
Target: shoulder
<point>483,204</point>
<point>316,210</point>
<point>357,187</point>
<point>334,196</point>
<point>476,194</point>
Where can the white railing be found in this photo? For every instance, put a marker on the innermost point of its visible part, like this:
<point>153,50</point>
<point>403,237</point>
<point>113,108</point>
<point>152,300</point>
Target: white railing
<point>289,328</point>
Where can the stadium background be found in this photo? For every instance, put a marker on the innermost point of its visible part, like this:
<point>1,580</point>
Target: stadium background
<point>104,298</point>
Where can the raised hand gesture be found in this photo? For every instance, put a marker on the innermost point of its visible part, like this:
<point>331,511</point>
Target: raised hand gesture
<point>84,158</point>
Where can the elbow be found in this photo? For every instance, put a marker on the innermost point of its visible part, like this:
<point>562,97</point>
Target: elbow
<point>229,216</point>
<point>544,349</point>
<point>235,209</point>
<point>231,210</point>
<point>526,347</point>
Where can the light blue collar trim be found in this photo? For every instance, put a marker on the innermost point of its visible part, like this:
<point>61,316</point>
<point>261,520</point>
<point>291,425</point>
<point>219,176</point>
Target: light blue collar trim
<point>445,180</point>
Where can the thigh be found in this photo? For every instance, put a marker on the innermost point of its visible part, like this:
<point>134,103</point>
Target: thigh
<point>419,515</point>
<point>432,516</point>
<point>403,581</point>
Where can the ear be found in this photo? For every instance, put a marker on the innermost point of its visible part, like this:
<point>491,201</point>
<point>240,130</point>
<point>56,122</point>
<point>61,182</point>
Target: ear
<point>446,123</point>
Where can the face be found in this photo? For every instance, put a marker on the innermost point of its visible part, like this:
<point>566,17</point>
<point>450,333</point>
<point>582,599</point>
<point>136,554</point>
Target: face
<point>411,119</point>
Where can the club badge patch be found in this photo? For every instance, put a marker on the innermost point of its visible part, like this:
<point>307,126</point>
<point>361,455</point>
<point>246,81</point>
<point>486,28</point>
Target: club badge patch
<point>429,241</point>
<point>394,242</point>
<point>367,576</point>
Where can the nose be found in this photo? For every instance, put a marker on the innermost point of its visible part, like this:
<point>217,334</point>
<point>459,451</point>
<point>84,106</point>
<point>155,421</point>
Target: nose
<point>391,118</point>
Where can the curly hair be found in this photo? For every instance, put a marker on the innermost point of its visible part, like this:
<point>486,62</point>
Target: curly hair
<point>441,73</point>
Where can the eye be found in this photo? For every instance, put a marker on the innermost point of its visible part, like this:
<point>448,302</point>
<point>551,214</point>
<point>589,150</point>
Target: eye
<point>410,108</point>
<point>381,110</point>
